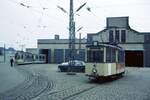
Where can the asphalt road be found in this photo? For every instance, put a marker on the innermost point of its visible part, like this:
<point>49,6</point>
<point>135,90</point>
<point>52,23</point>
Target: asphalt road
<point>44,82</point>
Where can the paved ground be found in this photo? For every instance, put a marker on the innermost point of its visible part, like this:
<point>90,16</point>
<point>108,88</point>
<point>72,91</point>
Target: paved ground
<point>43,82</point>
<point>9,77</point>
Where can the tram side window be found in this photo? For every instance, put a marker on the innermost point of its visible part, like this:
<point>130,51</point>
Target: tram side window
<point>113,53</point>
<point>110,55</point>
<point>32,57</point>
<point>40,57</point>
<point>16,56</point>
<point>43,57</point>
<point>120,56</point>
<point>36,57</point>
<point>21,56</point>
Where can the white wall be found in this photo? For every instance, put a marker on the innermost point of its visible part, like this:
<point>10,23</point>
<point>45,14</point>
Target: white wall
<point>134,37</point>
<point>132,46</point>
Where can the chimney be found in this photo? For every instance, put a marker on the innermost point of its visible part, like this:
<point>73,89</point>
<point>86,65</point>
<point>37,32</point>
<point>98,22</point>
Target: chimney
<point>56,37</point>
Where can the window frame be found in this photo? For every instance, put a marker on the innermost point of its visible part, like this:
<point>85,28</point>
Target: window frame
<point>111,36</point>
<point>123,36</point>
<point>117,36</point>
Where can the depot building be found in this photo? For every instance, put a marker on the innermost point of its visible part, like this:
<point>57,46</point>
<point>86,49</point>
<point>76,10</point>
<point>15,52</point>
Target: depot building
<point>118,31</point>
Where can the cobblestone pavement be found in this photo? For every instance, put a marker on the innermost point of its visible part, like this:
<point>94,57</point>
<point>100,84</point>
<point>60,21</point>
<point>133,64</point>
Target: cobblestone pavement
<point>33,85</point>
<point>43,82</point>
<point>9,77</point>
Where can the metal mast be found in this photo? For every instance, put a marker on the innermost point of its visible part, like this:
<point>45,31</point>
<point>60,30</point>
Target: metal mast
<point>71,31</point>
<point>4,53</point>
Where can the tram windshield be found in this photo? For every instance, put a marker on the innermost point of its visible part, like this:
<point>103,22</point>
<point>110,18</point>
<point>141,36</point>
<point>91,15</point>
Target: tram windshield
<point>95,56</point>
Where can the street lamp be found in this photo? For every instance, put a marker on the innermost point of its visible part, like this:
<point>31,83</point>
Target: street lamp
<point>3,52</point>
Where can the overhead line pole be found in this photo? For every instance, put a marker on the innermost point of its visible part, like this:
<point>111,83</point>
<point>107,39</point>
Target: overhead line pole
<point>71,39</point>
<point>71,30</point>
<point>4,53</point>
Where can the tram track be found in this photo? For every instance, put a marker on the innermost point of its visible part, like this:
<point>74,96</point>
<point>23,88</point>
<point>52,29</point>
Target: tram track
<point>33,85</point>
<point>68,94</point>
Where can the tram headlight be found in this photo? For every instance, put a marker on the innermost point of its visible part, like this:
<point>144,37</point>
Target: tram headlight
<point>94,70</point>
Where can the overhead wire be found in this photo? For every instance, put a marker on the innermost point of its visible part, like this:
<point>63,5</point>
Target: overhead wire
<point>43,14</point>
<point>35,10</point>
<point>41,17</point>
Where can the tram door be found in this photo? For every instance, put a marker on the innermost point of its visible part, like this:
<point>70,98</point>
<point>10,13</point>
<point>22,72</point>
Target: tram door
<point>47,52</point>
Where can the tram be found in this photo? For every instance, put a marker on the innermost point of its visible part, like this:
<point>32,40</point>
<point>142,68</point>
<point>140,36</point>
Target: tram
<point>104,61</point>
<point>29,58</point>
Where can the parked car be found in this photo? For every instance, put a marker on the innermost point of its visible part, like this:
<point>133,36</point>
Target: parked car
<point>72,66</point>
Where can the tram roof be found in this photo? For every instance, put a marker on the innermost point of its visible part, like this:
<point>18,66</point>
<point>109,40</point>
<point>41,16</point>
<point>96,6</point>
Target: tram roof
<point>105,45</point>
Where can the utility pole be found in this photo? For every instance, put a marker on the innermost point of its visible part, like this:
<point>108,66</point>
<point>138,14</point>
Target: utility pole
<point>71,39</point>
<point>22,46</point>
<point>4,53</point>
<point>71,31</point>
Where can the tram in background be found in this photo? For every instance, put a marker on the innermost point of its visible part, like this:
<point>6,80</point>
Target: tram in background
<point>22,57</point>
<point>104,61</point>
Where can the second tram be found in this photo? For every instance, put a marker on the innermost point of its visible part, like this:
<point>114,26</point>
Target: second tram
<point>29,58</point>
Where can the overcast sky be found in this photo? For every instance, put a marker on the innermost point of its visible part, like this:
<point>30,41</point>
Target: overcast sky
<point>41,19</point>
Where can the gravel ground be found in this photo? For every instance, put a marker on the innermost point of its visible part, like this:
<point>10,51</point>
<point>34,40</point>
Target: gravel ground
<point>135,85</point>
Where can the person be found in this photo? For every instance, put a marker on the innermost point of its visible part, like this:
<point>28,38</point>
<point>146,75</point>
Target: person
<point>11,62</point>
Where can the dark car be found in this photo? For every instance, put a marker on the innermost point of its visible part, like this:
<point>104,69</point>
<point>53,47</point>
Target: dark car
<point>72,66</point>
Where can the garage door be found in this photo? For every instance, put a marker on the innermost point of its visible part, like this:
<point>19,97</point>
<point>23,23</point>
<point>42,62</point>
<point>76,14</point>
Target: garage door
<point>47,52</point>
<point>134,58</point>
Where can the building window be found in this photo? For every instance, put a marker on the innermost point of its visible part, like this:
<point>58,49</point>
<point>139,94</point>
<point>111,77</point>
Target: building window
<point>111,36</point>
<point>117,35</point>
<point>21,56</point>
<point>108,54</point>
<point>113,53</point>
<point>89,38</point>
<point>123,36</point>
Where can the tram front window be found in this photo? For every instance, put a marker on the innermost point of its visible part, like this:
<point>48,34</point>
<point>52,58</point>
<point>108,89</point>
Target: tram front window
<point>96,56</point>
